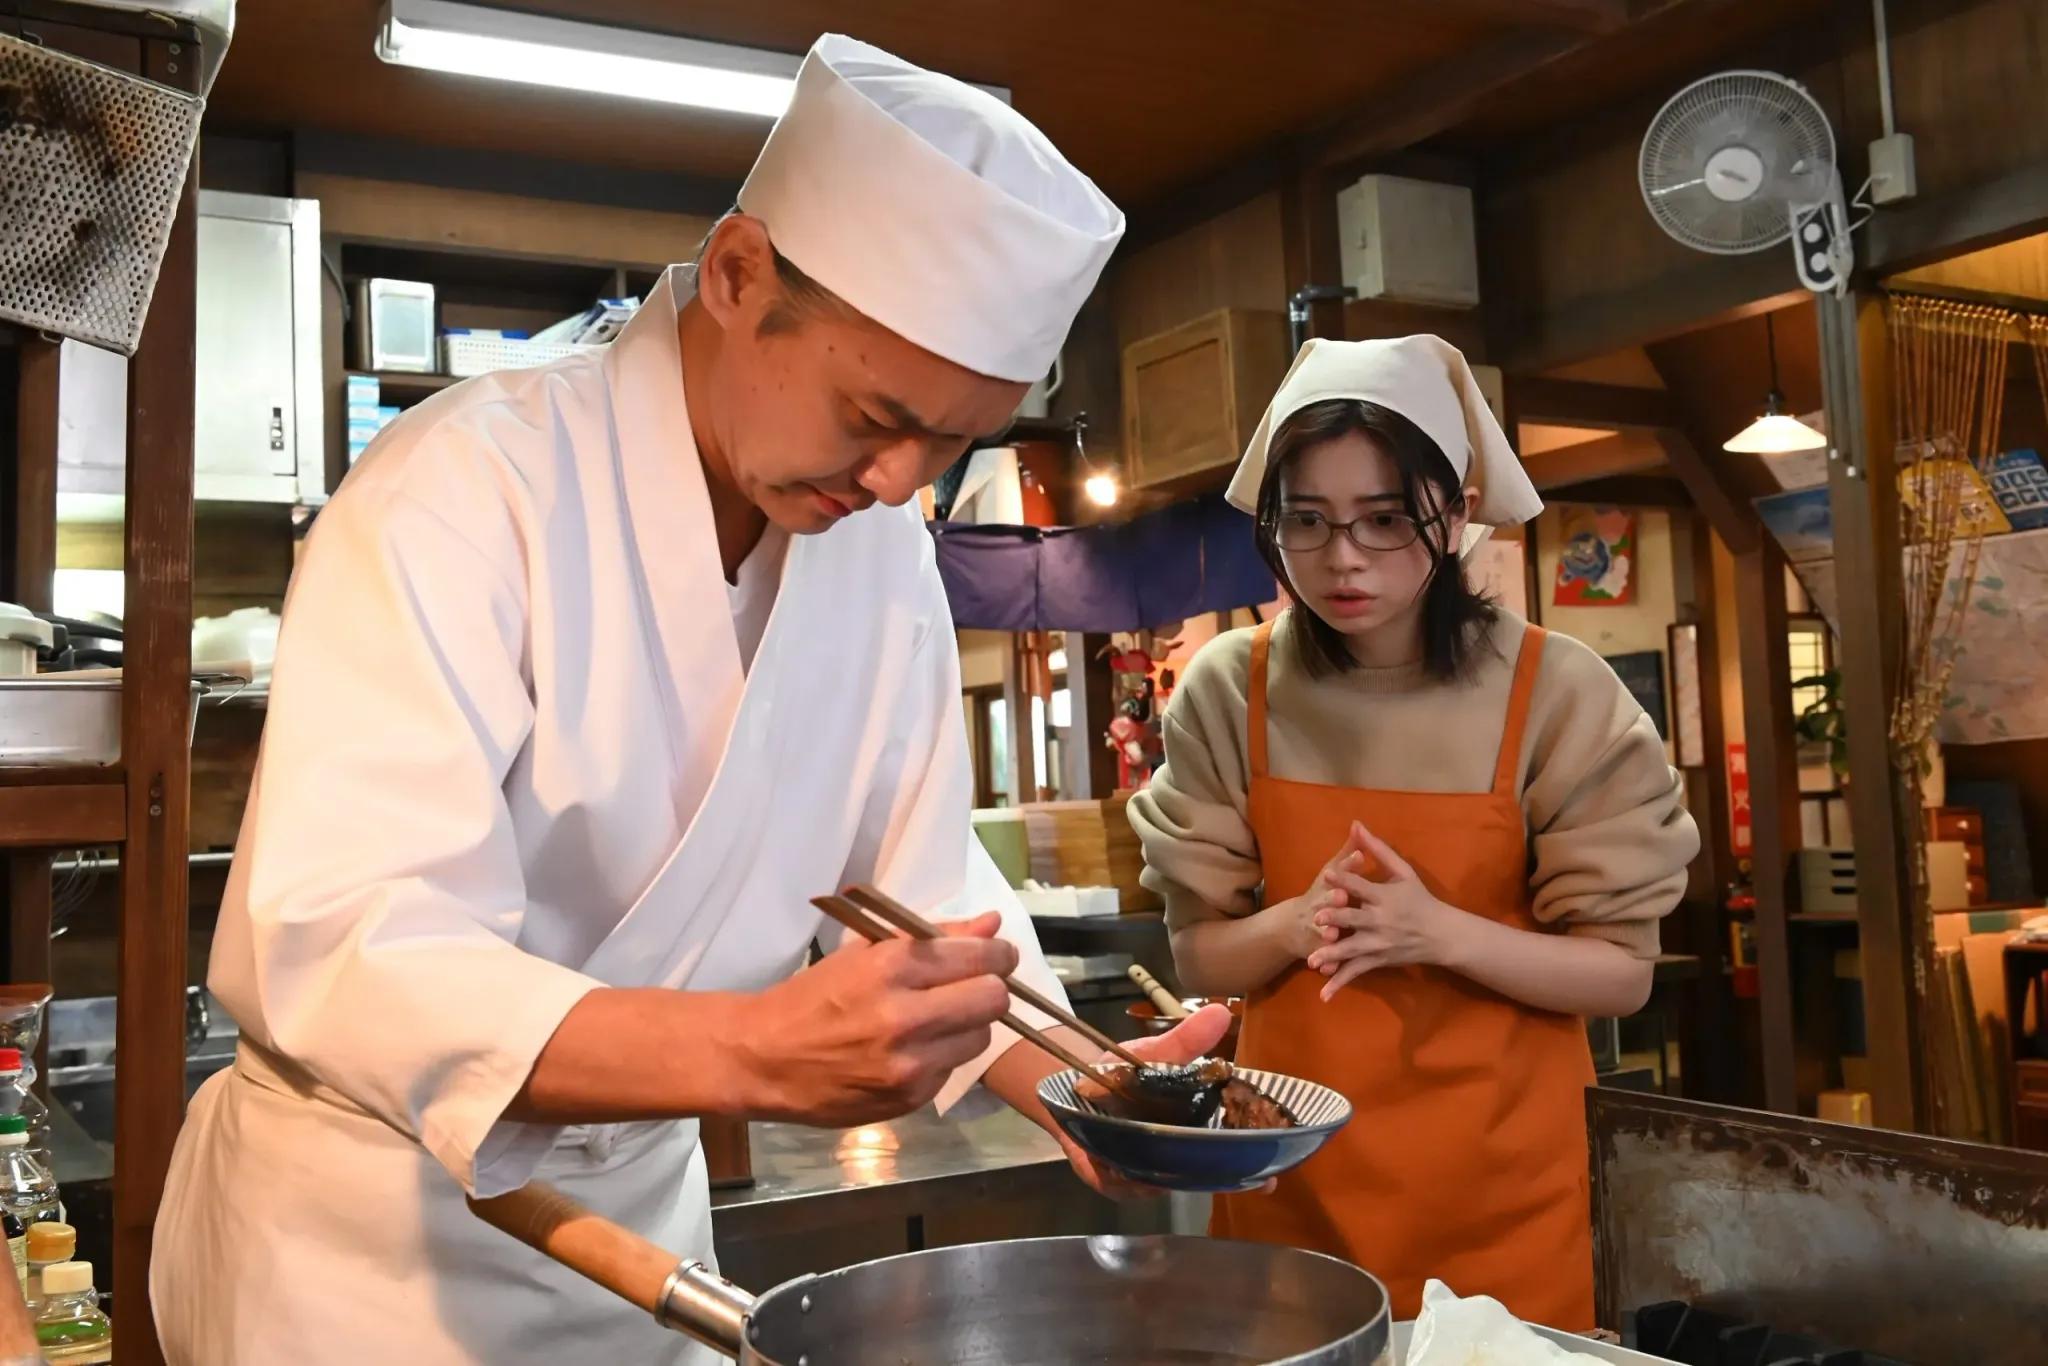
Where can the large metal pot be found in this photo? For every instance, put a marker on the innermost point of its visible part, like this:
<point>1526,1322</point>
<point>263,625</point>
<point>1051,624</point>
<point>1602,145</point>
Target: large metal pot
<point>1033,1302</point>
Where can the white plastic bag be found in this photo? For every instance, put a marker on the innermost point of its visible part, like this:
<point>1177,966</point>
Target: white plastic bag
<point>1479,1332</point>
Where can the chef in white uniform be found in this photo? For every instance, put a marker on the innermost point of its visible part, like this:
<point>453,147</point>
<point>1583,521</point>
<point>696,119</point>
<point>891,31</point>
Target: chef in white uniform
<point>592,675</point>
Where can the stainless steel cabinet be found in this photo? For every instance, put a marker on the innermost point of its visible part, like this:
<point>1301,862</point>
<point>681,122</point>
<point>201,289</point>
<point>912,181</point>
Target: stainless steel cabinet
<point>259,402</point>
<point>259,429</point>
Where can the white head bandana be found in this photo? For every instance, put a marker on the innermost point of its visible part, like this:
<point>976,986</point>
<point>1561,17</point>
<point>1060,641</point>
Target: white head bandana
<point>1426,380</point>
<point>933,208</point>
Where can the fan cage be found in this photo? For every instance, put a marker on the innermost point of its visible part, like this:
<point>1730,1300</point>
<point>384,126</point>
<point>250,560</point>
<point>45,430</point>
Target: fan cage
<point>1769,114</point>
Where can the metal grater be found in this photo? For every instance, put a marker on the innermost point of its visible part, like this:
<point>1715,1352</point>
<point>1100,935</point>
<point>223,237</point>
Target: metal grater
<point>92,162</point>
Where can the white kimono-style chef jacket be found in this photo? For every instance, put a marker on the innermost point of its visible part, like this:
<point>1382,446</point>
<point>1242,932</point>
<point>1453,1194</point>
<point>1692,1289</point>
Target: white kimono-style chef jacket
<point>513,753</point>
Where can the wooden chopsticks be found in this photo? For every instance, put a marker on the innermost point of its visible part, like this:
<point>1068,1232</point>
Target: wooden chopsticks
<point>858,920</point>
<point>877,918</point>
<point>900,916</point>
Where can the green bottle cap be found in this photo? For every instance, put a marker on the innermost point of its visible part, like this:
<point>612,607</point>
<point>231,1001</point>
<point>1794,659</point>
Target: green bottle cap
<point>13,1124</point>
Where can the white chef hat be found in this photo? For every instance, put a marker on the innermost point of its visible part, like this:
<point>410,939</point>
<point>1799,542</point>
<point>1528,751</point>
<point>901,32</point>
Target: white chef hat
<point>1426,380</point>
<point>933,208</point>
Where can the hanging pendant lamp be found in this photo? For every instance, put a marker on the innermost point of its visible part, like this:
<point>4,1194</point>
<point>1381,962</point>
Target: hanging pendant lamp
<point>1776,432</point>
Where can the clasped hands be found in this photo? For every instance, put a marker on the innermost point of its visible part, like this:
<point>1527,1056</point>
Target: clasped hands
<point>1347,924</point>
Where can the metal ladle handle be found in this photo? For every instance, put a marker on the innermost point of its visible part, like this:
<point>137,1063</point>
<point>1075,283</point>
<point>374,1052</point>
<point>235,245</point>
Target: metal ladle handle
<point>688,1296</point>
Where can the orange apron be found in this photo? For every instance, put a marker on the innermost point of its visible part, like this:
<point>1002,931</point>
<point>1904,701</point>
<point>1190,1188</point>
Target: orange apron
<point>1465,1159</point>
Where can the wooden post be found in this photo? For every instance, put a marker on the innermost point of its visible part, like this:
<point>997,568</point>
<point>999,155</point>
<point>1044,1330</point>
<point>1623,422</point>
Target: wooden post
<point>1773,801</point>
<point>149,1103</point>
<point>30,576</point>
<point>1017,702</point>
<point>1709,1032</point>
<point>1863,488</point>
<point>1088,765</point>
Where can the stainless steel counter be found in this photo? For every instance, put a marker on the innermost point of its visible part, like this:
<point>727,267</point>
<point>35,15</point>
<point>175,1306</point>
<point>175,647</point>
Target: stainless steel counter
<point>807,1178</point>
<point>825,1199</point>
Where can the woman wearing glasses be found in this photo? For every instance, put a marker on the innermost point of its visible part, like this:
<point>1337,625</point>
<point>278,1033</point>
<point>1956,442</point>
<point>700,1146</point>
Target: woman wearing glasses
<point>1422,836</point>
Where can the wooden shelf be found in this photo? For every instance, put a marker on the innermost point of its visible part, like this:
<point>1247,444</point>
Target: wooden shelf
<point>58,808</point>
<point>406,386</point>
<point>461,276</point>
<point>74,775</point>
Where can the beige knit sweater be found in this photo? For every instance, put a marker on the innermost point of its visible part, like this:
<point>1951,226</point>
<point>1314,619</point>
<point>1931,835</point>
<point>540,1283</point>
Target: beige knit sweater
<point>1610,840</point>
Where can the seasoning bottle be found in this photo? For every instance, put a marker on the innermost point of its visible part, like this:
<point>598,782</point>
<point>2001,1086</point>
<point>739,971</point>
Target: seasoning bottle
<point>17,1247</point>
<point>70,1326</point>
<point>27,1190</point>
<point>48,1244</point>
<point>16,1072</point>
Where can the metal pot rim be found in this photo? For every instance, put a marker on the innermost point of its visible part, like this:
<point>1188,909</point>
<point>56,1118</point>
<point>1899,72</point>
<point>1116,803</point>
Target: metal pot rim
<point>1382,1320</point>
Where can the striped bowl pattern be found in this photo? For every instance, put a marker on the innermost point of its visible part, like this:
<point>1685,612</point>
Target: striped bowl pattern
<point>1212,1159</point>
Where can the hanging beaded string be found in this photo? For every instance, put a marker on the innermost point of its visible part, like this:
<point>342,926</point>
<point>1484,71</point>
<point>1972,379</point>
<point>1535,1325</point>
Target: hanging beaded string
<point>1949,363</point>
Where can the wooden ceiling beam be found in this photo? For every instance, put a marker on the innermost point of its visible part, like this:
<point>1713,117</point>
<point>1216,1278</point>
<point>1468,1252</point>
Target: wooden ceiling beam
<point>1577,403</point>
<point>1437,98</point>
<point>1726,510</point>
<point>1585,16</point>
<point>1410,112</point>
<point>1971,218</point>
<point>1607,457</point>
<point>1625,490</point>
<point>1718,290</point>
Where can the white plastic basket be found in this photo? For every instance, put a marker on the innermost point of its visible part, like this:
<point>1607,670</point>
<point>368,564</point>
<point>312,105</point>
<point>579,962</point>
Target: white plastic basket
<point>461,355</point>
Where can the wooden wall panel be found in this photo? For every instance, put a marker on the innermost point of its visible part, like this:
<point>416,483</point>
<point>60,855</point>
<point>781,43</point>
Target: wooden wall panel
<point>1576,267</point>
<point>1235,260</point>
<point>242,554</point>
<point>1966,83</point>
<point>2011,270</point>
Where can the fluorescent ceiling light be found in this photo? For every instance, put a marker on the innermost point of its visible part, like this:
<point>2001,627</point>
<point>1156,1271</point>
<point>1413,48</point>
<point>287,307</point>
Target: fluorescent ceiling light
<point>535,49</point>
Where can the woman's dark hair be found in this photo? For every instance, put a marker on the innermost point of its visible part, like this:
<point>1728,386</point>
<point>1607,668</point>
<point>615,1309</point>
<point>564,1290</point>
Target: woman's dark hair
<point>1454,617</point>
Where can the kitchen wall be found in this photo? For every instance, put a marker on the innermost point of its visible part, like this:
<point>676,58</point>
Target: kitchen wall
<point>981,658</point>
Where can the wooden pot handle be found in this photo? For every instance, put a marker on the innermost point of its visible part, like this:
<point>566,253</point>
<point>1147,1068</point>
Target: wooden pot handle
<point>683,1295</point>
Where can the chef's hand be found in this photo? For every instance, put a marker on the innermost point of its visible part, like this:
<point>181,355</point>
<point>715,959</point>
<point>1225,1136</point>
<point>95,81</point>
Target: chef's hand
<point>1192,1038</point>
<point>1380,924</point>
<point>1304,925</point>
<point>871,1031</point>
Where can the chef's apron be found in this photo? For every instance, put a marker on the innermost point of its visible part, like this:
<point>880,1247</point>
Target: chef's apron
<point>1465,1158</point>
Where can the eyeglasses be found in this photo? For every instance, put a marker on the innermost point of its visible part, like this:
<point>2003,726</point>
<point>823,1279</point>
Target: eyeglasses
<point>1304,529</point>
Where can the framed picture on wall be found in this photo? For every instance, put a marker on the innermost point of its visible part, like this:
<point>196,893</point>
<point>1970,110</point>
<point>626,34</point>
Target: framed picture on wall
<point>1596,565</point>
<point>1685,696</point>
<point>1642,673</point>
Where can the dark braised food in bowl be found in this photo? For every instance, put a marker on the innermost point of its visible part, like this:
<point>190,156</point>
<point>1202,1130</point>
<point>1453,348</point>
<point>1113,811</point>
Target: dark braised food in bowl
<point>1245,1106</point>
<point>1187,1094</point>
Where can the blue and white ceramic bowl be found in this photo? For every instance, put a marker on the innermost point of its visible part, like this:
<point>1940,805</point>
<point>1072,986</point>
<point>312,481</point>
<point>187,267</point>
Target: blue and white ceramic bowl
<point>1212,1159</point>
